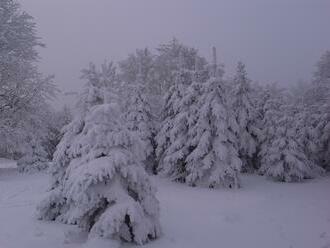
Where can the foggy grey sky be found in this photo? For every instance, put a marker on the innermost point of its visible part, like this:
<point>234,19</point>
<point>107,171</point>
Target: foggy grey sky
<point>279,40</point>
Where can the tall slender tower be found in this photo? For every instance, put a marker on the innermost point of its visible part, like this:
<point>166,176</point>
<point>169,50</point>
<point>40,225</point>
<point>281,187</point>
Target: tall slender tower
<point>140,76</point>
<point>214,62</point>
<point>181,60</point>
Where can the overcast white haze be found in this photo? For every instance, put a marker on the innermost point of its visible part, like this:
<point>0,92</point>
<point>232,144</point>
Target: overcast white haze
<point>280,41</point>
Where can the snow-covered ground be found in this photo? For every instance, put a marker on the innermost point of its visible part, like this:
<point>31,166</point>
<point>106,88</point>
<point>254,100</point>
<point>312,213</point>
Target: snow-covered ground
<point>261,214</point>
<point>7,164</point>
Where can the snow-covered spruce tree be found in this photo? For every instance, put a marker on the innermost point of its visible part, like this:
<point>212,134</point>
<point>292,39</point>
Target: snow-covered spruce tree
<point>243,106</point>
<point>262,95</point>
<point>171,57</point>
<point>213,159</point>
<point>172,161</point>
<point>321,107</point>
<point>305,123</point>
<point>163,139</point>
<point>321,82</point>
<point>94,94</point>
<point>313,116</point>
<point>99,183</point>
<point>140,120</point>
<point>323,134</point>
<point>158,71</point>
<point>139,67</point>
<point>282,156</point>
<point>18,35</point>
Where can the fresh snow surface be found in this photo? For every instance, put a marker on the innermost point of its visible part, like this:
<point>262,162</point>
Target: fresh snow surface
<point>261,214</point>
<point>6,164</point>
